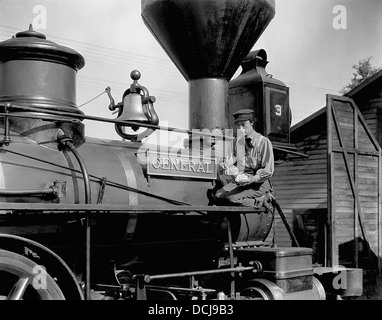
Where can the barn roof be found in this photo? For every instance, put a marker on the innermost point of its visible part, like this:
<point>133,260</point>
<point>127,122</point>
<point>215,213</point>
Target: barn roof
<point>307,120</point>
<point>358,94</point>
<point>364,85</point>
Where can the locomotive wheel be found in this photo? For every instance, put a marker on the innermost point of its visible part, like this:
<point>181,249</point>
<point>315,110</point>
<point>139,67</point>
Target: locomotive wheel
<point>23,279</point>
<point>262,289</point>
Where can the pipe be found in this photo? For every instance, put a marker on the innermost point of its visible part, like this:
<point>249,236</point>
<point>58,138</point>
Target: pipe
<point>231,258</point>
<point>239,269</point>
<point>35,193</point>
<point>283,218</point>
<point>77,118</point>
<point>66,142</point>
<point>55,190</point>
<point>85,174</point>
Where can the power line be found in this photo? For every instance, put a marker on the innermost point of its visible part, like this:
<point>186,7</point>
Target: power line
<point>96,48</point>
<point>116,56</point>
<point>98,84</point>
<point>302,87</point>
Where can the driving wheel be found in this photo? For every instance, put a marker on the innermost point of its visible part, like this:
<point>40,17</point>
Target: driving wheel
<point>23,279</point>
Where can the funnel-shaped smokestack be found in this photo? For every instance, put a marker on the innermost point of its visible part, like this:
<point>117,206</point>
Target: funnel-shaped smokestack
<point>207,40</point>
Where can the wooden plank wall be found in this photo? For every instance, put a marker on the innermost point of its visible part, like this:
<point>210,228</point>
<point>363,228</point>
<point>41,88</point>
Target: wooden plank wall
<point>301,183</point>
<point>355,213</point>
<point>371,117</point>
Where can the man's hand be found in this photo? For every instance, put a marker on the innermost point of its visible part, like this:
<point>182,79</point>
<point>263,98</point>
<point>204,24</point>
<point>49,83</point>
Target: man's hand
<point>229,168</point>
<point>246,179</point>
<point>243,179</point>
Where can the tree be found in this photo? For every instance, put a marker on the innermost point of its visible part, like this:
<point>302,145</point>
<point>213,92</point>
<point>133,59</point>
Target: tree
<point>363,70</point>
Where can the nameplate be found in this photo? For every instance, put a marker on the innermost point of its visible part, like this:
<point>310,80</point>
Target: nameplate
<point>164,164</point>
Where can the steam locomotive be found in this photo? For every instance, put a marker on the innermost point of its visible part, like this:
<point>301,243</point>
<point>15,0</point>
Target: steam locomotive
<point>85,218</point>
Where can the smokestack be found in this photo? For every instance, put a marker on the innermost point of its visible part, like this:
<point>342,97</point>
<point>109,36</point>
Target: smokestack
<point>207,41</point>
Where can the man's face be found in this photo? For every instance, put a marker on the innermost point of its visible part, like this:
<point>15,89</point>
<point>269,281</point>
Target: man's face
<point>245,126</point>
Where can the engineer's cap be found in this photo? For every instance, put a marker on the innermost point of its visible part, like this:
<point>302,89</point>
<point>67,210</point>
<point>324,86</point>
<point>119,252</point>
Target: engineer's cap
<point>243,115</point>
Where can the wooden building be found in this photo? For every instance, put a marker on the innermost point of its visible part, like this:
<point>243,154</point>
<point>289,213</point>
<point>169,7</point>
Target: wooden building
<point>368,98</point>
<point>332,195</point>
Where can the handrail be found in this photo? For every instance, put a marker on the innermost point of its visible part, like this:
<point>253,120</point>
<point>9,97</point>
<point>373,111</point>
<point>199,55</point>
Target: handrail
<point>72,117</point>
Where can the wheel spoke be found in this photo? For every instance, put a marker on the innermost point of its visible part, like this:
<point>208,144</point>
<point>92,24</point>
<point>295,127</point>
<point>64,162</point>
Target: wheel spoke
<point>18,289</point>
<point>16,275</point>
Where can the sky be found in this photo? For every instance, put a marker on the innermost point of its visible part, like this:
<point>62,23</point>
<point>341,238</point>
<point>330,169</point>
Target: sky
<point>311,46</point>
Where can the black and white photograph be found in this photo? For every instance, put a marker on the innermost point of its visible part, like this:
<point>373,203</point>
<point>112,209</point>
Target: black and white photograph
<point>217,152</point>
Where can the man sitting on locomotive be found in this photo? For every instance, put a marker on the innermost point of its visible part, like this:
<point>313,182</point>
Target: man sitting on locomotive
<point>253,156</point>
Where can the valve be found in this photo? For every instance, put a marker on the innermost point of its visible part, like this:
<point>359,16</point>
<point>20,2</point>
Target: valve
<point>6,139</point>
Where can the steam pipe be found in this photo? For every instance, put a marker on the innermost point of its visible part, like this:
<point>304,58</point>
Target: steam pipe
<point>67,142</point>
<point>56,190</point>
<point>84,172</point>
<point>256,268</point>
<point>87,220</point>
<point>37,193</point>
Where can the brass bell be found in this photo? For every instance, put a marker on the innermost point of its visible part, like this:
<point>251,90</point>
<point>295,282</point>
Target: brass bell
<point>136,109</point>
<point>132,110</point>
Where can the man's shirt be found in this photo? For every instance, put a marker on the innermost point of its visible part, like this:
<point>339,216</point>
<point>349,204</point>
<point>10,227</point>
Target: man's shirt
<point>255,156</point>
